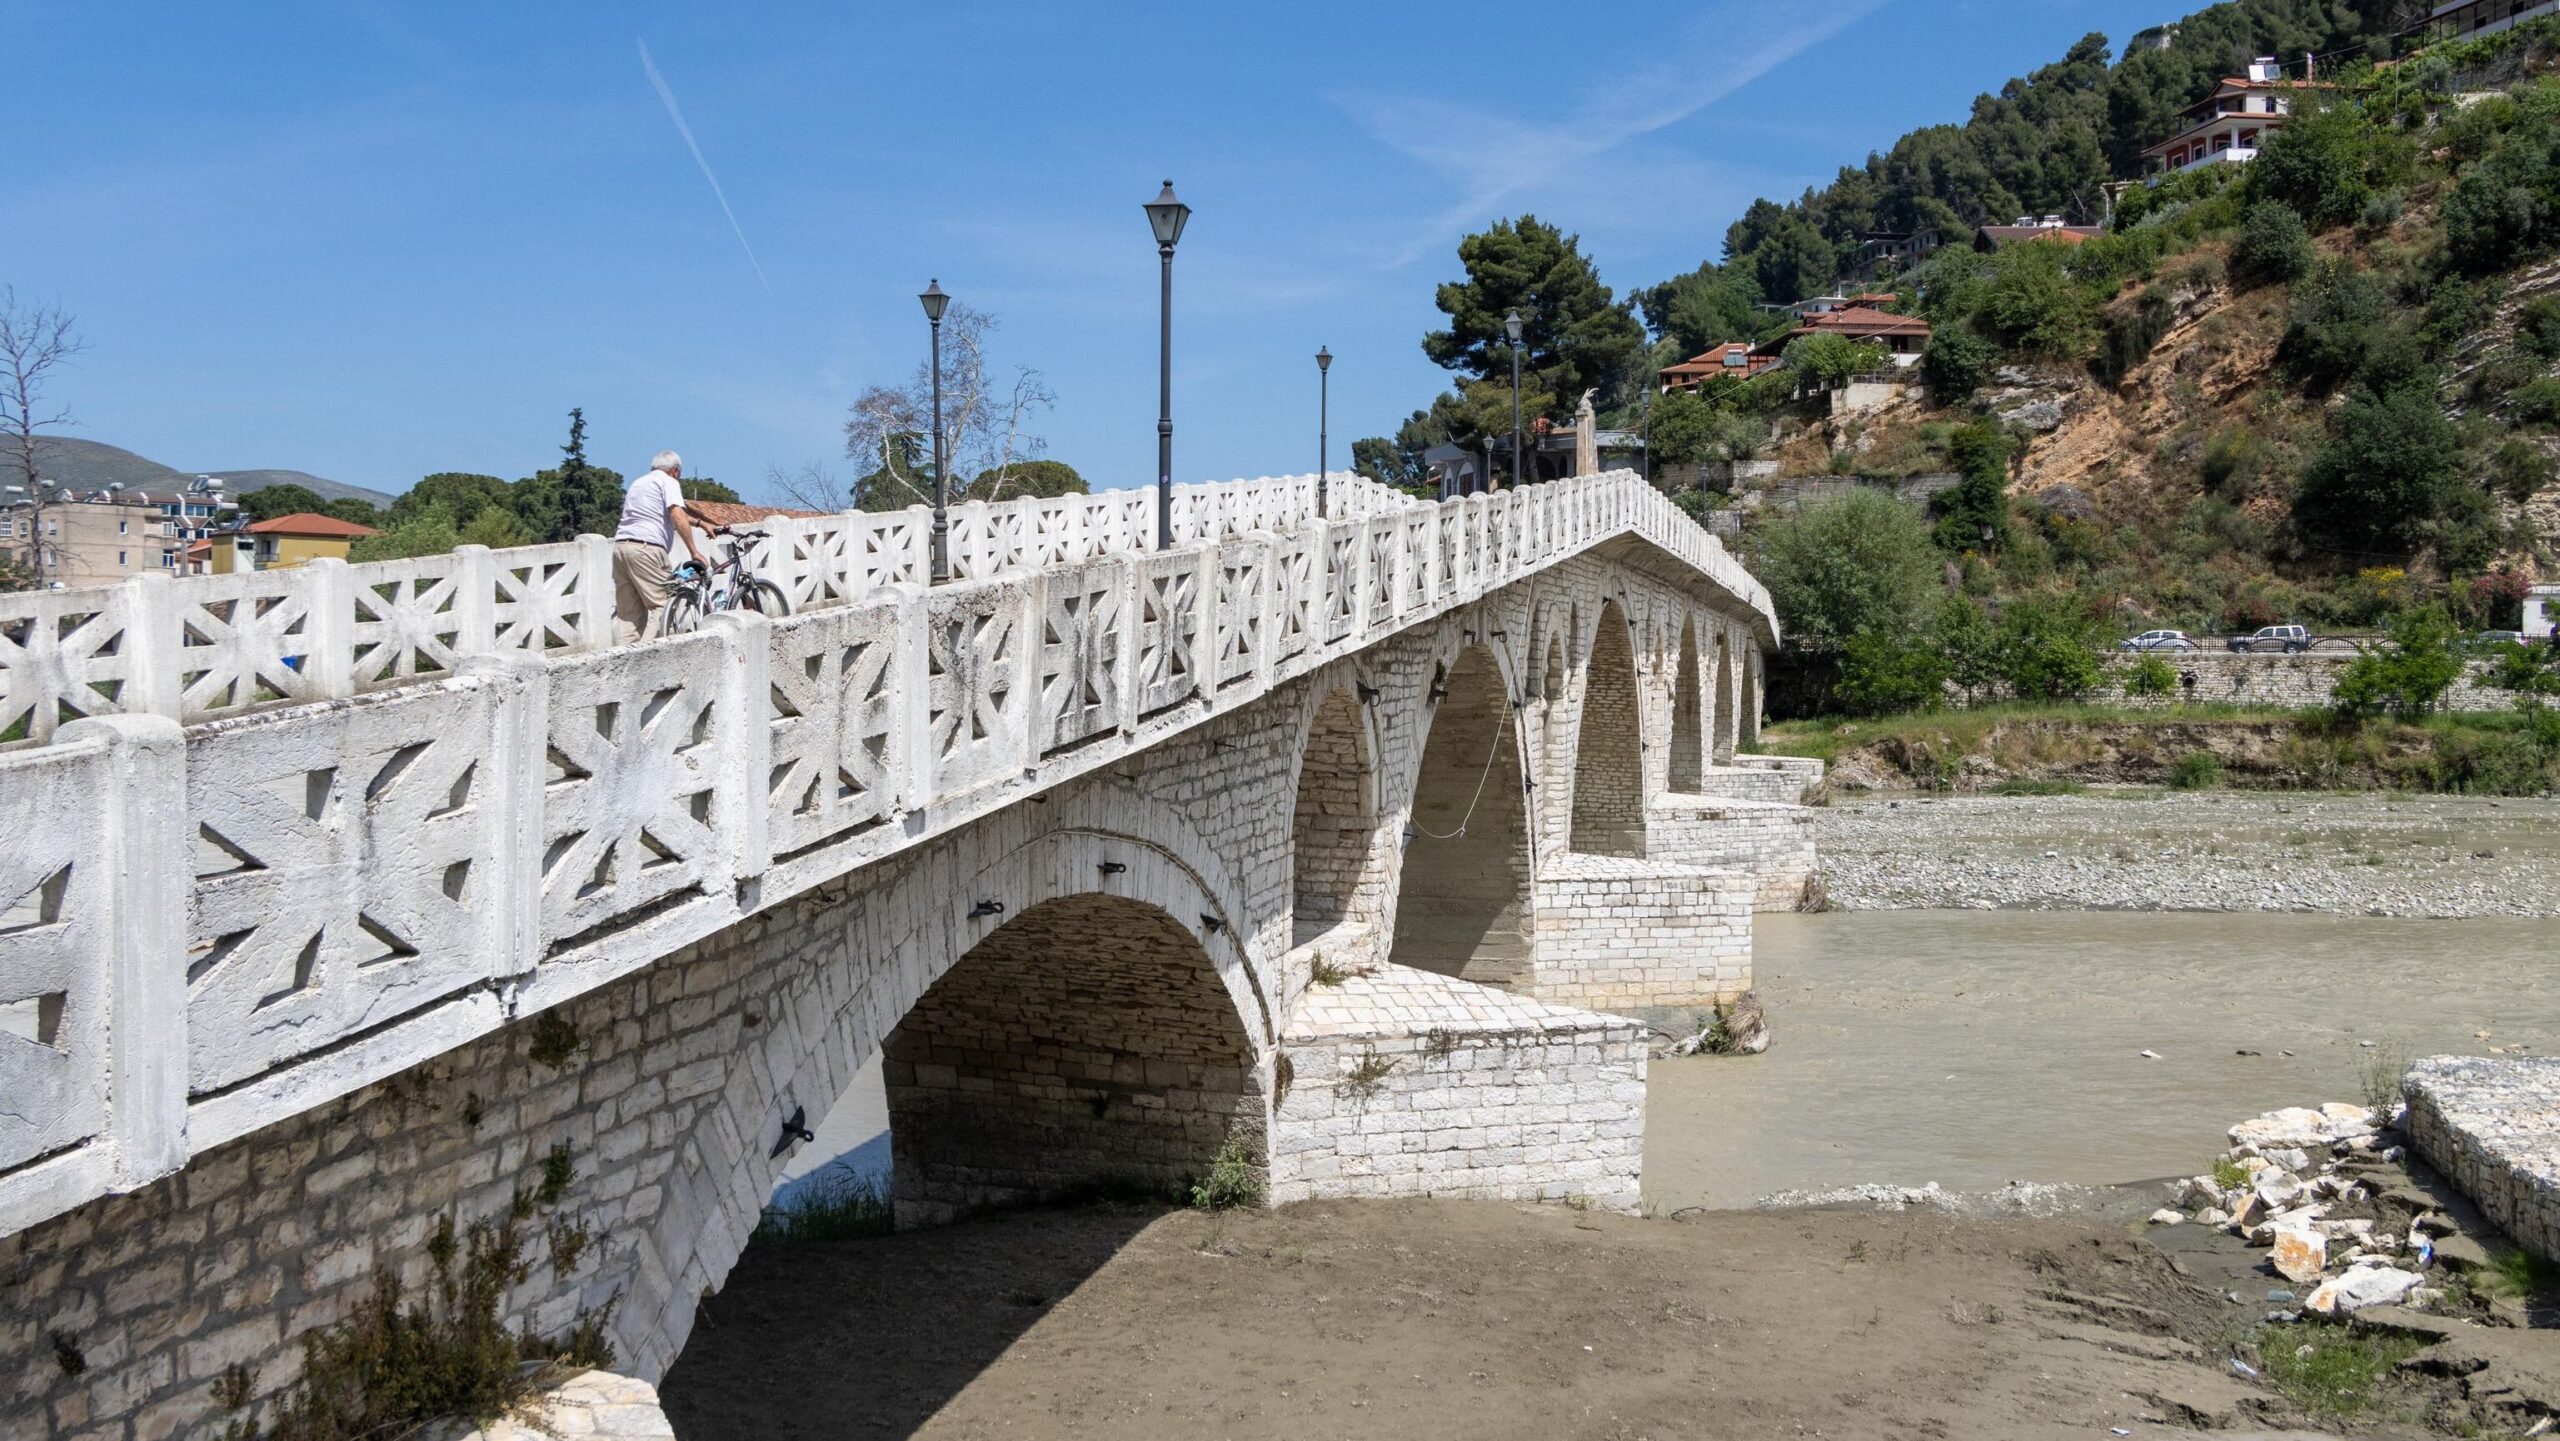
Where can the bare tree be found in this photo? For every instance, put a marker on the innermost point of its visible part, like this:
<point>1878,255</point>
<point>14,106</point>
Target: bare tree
<point>889,432</point>
<point>33,340</point>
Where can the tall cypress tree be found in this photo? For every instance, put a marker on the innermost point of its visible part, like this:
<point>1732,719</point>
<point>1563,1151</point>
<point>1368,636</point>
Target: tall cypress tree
<point>575,497</point>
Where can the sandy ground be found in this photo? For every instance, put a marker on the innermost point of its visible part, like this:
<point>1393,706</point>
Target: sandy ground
<point>1480,1321</point>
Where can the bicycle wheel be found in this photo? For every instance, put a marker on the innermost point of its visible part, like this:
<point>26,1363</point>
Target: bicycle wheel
<point>764,598</point>
<point>684,612</point>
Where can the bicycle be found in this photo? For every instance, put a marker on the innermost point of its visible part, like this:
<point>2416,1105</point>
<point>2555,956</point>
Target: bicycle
<point>728,585</point>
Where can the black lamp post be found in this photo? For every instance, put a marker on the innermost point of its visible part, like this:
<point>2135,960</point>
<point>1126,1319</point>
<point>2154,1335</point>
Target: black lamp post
<point>1511,327</point>
<point>1167,216</point>
<point>935,302</point>
<point>1324,366</point>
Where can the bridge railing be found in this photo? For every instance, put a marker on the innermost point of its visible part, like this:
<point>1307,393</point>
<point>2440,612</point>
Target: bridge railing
<point>199,647</point>
<point>431,795</point>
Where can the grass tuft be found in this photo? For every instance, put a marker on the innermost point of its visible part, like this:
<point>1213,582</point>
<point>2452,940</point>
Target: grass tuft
<point>838,1204</point>
<point>2335,1374</point>
<point>1232,1179</point>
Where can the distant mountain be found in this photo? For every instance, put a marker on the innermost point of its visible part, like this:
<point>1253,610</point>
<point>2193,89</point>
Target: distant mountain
<point>94,465</point>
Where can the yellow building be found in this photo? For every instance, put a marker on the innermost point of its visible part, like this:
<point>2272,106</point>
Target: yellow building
<point>278,544</point>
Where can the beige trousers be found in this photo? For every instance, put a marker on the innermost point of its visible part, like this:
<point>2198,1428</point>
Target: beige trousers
<point>640,582</point>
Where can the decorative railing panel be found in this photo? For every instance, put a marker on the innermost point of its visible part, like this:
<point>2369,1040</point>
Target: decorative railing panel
<point>54,950</point>
<point>628,801</point>
<point>340,863</point>
<point>1169,660</point>
<point>1083,675</point>
<point>64,654</point>
<point>833,713</point>
<point>974,696</point>
<point>416,619</point>
<point>1243,579</point>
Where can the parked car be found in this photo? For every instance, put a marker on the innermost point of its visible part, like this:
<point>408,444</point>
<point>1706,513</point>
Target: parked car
<point>2157,640</point>
<point>2291,639</point>
<point>2492,639</point>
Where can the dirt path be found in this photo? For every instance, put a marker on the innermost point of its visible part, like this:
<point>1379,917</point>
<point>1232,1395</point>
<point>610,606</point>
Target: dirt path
<point>1480,1321</point>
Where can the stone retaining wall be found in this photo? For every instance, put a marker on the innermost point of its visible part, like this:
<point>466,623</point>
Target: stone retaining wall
<point>1778,780</point>
<point>2492,1127</point>
<point>1404,1083</point>
<point>2277,682</point>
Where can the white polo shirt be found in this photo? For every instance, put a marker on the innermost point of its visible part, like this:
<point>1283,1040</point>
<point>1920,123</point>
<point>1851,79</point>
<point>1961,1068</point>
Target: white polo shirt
<point>645,502</point>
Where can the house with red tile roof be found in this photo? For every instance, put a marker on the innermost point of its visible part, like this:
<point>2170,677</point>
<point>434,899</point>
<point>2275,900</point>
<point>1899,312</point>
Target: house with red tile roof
<point>2227,126</point>
<point>284,542</point>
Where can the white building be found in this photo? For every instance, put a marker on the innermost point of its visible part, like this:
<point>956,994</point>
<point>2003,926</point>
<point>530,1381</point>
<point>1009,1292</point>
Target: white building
<point>2227,126</point>
<point>2465,18</point>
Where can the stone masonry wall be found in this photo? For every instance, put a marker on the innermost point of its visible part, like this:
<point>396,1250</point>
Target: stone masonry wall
<point>1333,820</point>
<point>2278,682</point>
<point>1085,1040</point>
<point>1608,780</point>
<point>2492,1127</point>
<point>1615,933</point>
<point>1773,780</point>
<point>1405,1084</point>
<point>1770,843</point>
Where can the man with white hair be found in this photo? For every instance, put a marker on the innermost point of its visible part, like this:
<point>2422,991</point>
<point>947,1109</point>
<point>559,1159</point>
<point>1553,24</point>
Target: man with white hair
<point>653,515</point>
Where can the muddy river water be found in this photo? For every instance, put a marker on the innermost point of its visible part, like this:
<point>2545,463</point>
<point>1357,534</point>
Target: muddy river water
<point>1974,1048</point>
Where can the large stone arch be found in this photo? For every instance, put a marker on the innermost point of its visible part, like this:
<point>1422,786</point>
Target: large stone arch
<point>1463,891</point>
<point>1687,762</point>
<point>1608,747</point>
<point>1335,873</point>
<point>1085,1041</point>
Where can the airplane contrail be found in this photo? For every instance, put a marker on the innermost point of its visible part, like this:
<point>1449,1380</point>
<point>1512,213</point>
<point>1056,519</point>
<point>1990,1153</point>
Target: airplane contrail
<point>676,114</point>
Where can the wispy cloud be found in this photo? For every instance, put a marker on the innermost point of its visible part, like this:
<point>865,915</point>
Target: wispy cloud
<point>1489,157</point>
<point>676,114</point>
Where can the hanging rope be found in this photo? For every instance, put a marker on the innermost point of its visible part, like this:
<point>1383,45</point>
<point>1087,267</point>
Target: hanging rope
<point>1481,778</point>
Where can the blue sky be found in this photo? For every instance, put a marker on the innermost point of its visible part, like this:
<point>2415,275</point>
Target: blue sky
<point>371,240</point>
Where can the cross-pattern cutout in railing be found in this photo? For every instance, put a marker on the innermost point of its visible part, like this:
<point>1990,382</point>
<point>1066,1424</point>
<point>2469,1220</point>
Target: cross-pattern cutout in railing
<point>54,940</point>
<point>836,764</point>
<point>341,867</point>
<point>629,802</point>
<point>1081,670</point>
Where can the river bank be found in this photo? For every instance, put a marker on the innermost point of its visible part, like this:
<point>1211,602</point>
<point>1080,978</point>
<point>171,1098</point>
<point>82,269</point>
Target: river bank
<point>2340,854</point>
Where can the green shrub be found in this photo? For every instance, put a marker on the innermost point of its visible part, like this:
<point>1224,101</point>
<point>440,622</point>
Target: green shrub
<point>2232,454</point>
<point>2150,677</point>
<point>1886,672</point>
<point>2048,652</point>
<point>2332,325</point>
<point>2274,247</point>
<point>2537,403</point>
<point>2518,469</point>
<point>1956,363</point>
<point>2384,476</point>
<point>1231,1180</point>
<point>1847,566</point>
<point>2317,163</point>
<point>2131,336</point>
<point>2195,771</point>
<point>2030,302</point>
<point>2538,326</point>
<point>2406,678</point>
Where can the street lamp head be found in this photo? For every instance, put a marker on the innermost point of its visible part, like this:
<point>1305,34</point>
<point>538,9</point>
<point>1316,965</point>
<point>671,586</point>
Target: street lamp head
<point>935,301</point>
<point>1168,215</point>
<point>1511,326</point>
<point>1324,360</point>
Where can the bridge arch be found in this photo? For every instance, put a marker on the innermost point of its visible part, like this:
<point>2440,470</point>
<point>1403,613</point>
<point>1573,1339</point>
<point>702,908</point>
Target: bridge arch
<point>1334,857</point>
<point>1608,749</point>
<point>1687,751</point>
<point>1084,1041</point>
<point>1462,892</point>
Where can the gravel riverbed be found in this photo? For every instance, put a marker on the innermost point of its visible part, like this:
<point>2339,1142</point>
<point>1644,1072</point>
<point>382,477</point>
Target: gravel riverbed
<point>2362,855</point>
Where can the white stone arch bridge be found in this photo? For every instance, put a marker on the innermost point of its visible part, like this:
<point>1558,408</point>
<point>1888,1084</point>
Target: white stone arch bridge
<point>334,899</point>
